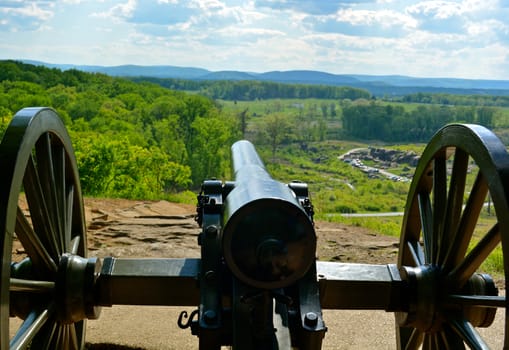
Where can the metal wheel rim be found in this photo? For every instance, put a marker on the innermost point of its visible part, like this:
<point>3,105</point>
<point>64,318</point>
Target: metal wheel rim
<point>37,143</point>
<point>462,141</point>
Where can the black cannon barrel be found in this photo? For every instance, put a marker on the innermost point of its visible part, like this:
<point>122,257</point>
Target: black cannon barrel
<point>268,238</point>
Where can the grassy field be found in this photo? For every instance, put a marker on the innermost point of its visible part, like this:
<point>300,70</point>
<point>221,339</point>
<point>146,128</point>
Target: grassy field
<point>335,186</point>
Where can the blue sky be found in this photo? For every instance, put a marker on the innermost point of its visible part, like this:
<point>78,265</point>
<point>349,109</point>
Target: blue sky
<point>427,38</point>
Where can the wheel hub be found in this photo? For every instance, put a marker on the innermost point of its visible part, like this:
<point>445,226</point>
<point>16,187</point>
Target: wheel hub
<point>428,302</point>
<point>481,284</point>
<point>422,298</point>
<point>74,289</point>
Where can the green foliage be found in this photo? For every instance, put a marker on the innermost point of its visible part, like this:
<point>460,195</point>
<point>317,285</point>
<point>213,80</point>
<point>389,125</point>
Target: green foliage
<point>132,140</point>
<point>392,123</point>
<point>457,100</point>
<point>95,163</point>
<point>251,90</point>
<point>117,168</point>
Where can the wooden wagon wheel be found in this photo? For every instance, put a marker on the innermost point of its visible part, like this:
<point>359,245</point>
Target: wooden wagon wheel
<point>445,244</point>
<point>42,236</point>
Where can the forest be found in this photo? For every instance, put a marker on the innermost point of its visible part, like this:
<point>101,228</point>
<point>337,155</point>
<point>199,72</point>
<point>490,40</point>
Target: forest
<point>138,139</point>
<point>132,140</point>
<point>456,100</point>
<point>391,123</point>
<point>250,90</point>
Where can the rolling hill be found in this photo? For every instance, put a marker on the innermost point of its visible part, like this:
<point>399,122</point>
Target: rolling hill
<point>382,85</point>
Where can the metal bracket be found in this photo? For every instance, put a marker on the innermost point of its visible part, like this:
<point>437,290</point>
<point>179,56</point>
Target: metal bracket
<point>301,192</point>
<point>210,309</point>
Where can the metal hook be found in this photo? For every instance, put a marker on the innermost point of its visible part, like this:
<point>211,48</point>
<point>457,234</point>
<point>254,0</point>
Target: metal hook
<point>183,315</point>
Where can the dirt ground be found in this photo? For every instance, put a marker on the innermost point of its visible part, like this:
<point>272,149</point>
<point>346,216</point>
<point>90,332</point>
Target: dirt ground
<point>123,228</point>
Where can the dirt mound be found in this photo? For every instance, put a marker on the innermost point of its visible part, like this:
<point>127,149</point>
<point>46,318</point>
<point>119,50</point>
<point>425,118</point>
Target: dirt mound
<point>123,228</point>
<point>141,229</point>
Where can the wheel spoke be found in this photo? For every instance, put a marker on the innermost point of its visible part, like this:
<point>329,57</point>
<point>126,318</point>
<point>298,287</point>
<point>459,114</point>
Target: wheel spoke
<point>74,246</point>
<point>46,171</point>
<point>476,300</point>
<point>56,340</point>
<point>39,210</point>
<point>460,275</point>
<point>439,206</point>
<point>33,246</point>
<point>410,338</point>
<point>427,343</point>
<point>426,223</point>
<point>450,340</point>
<point>73,339</point>
<point>22,285</point>
<point>468,333</point>
<point>416,253</point>
<point>62,337</point>
<point>59,163</point>
<point>58,337</point>
<point>463,235</point>
<point>66,337</point>
<point>49,336</point>
<point>454,202</point>
<point>69,214</point>
<point>438,342</point>
<point>29,328</point>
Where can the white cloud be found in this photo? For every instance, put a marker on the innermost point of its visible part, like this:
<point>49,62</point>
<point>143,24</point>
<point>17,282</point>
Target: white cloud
<point>119,11</point>
<point>479,5</point>
<point>384,18</point>
<point>31,9</point>
<point>487,29</point>
<point>436,9</point>
<point>207,5</point>
<point>427,37</point>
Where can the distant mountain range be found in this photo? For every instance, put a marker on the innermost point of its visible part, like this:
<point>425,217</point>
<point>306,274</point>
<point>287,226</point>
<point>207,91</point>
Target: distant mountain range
<point>379,85</point>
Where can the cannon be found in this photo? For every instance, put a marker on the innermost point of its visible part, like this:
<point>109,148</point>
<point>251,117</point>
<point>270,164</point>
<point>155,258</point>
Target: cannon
<point>257,284</point>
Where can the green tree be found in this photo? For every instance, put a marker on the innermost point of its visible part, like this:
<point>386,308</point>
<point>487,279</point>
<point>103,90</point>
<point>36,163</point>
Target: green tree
<point>485,116</point>
<point>242,116</point>
<point>166,133</point>
<point>95,159</point>
<point>277,128</point>
<point>208,155</point>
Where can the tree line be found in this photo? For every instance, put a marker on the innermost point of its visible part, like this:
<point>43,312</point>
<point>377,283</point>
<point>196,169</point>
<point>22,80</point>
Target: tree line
<point>251,90</point>
<point>393,123</point>
<point>133,140</point>
<point>454,99</point>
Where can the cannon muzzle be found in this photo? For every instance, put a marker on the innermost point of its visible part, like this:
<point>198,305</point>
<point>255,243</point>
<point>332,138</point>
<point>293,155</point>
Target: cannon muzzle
<point>268,237</point>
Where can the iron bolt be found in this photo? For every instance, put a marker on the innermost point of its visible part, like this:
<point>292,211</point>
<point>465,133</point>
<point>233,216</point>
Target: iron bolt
<point>209,317</point>
<point>311,319</point>
<point>210,276</point>
<point>211,231</point>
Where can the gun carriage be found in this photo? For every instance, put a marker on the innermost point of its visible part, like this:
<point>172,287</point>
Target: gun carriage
<point>257,284</point>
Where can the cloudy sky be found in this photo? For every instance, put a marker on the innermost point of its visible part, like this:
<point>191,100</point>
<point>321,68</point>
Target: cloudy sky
<point>425,38</point>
